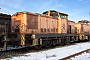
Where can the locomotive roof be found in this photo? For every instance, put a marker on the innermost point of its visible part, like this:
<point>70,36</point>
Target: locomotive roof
<point>25,12</point>
<point>71,21</point>
<point>83,21</point>
<point>54,11</point>
<point>3,15</point>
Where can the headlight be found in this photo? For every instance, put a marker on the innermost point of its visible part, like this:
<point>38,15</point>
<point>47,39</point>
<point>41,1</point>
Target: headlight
<point>33,36</point>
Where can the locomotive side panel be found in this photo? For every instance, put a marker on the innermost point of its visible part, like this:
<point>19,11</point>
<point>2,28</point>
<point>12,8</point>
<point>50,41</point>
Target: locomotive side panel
<point>17,20</point>
<point>54,25</point>
<point>32,24</point>
<point>78,26</point>
<point>71,27</point>
<point>47,24</point>
<point>64,25</point>
<point>43,24</point>
<point>82,28</point>
<point>85,28</point>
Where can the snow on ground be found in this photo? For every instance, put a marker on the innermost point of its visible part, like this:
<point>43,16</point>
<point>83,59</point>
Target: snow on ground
<point>53,54</point>
<point>83,56</point>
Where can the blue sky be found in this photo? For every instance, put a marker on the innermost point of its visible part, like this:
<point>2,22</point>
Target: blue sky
<point>76,9</point>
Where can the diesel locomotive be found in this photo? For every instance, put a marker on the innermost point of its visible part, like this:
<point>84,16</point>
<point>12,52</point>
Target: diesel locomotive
<point>5,23</point>
<point>37,30</point>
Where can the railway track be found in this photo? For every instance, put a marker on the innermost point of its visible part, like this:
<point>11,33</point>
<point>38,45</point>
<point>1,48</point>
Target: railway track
<point>31,49</point>
<point>73,55</point>
<point>28,49</point>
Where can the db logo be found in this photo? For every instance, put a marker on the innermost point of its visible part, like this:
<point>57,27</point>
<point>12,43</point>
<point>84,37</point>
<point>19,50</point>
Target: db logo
<point>63,26</point>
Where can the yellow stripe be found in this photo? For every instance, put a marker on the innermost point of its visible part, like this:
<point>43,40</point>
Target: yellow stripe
<point>80,36</point>
<point>22,40</point>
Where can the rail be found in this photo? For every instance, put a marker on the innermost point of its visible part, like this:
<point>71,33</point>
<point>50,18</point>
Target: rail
<point>73,55</point>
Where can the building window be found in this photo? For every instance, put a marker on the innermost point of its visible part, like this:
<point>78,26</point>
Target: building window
<point>62,16</point>
<point>55,15</point>
<point>65,16</point>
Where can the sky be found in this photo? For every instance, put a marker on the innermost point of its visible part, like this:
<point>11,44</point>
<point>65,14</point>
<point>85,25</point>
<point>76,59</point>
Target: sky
<point>76,9</point>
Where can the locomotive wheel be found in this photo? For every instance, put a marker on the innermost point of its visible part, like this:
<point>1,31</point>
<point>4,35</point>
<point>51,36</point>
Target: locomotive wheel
<point>67,41</point>
<point>47,44</point>
<point>37,47</point>
<point>62,42</point>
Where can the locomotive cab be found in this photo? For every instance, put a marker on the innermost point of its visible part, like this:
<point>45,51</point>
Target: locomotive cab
<point>62,19</point>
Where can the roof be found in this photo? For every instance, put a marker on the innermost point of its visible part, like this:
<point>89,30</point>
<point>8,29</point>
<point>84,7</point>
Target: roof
<point>3,15</point>
<point>54,11</point>
<point>25,12</point>
<point>71,21</point>
<point>83,21</point>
